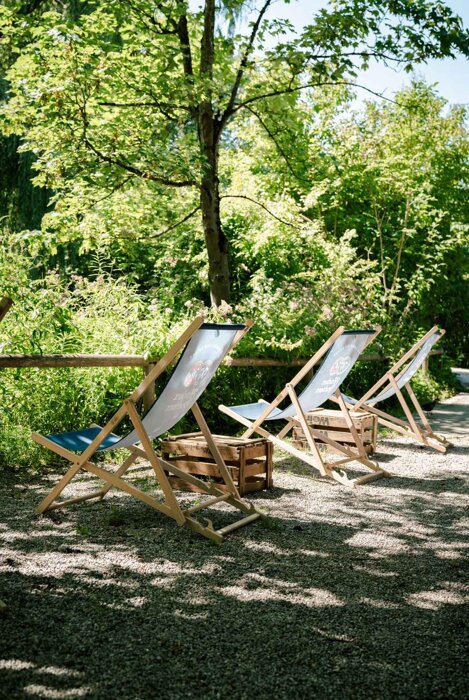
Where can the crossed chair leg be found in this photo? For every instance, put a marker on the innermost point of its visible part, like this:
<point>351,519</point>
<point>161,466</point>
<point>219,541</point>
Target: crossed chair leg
<point>171,507</point>
<point>314,458</point>
<point>422,433</point>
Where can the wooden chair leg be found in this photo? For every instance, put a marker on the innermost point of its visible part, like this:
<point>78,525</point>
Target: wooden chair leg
<point>125,466</point>
<point>439,438</point>
<point>350,425</point>
<point>58,488</point>
<point>321,467</point>
<point>226,476</point>
<point>152,457</point>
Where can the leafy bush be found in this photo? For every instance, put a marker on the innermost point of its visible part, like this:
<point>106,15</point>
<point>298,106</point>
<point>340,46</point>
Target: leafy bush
<point>297,299</point>
<point>100,316</point>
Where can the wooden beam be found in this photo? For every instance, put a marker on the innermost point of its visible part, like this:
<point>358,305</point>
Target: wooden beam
<point>98,360</point>
<point>73,361</point>
<point>299,362</point>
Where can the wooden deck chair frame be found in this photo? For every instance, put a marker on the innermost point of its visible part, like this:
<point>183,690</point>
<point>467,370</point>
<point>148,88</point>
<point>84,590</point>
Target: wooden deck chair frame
<point>161,468</point>
<point>423,433</point>
<point>331,469</point>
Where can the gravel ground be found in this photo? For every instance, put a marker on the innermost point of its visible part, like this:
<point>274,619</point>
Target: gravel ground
<point>337,594</point>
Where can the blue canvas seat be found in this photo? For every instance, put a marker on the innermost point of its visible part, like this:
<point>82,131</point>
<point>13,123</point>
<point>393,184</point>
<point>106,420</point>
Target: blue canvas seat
<point>78,440</point>
<point>202,348</point>
<point>337,356</point>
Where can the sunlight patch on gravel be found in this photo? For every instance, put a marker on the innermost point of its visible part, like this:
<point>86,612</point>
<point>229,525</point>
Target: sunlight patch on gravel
<point>379,545</point>
<point>380,604</point>
<point>43,691</point>
<point>435,599</point>
<point>254,587</point>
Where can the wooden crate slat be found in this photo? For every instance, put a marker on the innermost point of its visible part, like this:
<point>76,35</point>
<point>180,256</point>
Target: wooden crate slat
<point>328,418</point>
<point>192,449</point>
<point>247,459</point>
<point>223,439</point>
<point>255,485</point>
<point>325,447</point>
<point>257,468</point>
<point>195,467</point>
<point>336,435</point>
<point>331,423</point>
<point>342,430</point>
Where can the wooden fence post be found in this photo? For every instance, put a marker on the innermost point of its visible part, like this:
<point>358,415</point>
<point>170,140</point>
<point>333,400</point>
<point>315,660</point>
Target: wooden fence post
<point>149,395</point>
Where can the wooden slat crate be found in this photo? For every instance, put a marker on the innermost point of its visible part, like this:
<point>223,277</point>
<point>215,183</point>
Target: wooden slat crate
<point>249,460</point>
<point>332,423</point>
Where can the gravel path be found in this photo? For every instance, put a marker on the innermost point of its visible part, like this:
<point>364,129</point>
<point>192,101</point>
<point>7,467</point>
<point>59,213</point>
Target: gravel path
<point>336,595</point>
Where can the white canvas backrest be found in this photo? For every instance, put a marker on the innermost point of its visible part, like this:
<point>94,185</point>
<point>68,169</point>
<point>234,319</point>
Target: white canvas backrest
<point>191,376</point>
<point>332,372</point>
<point>406,375</point>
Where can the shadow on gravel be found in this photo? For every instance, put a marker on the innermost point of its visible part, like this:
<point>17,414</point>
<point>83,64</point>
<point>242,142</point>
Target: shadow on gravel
<point>112,600</point>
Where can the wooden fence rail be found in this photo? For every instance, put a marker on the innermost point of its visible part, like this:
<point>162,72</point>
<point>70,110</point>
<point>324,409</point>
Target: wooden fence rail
<point>80,361</point>
<point>101,360</point>
<point>300,362</point>
<point>75,360</point>
<point>297,362</point>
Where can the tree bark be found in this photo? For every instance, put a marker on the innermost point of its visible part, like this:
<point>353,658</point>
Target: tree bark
<point>208,133</point>
<point>215,240</point>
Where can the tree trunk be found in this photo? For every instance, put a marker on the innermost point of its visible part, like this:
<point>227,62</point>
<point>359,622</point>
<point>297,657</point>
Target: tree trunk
<point>215,240</point>
<point>208,133</point>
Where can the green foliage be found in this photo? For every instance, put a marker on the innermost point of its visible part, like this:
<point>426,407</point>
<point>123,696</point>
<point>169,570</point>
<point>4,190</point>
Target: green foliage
<point>106,93</point>
<point>397,175</point>
<point>392,178</point>
<point>297,306</point>
<point>100,316</point>
<point>294,314</point>
<point>332,217</point>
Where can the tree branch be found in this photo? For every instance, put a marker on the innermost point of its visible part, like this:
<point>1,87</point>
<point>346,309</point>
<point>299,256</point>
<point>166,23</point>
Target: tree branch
<point>137,171</point>
<point>154,25</point>
<point>182,30</point>
<point>346,54</point>
<point>173,226</point>
<point>164,109</point>
<point>287,91</point>
<point>133,104</point>
<point>243,196</point>
<point>113,191</point>
<point>242,66</point>
<point>207,41</point>
<point>379,227</point>
<point>277,145</point>
<point>395,278</point>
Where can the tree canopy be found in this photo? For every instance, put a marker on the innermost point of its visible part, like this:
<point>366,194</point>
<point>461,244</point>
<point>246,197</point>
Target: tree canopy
<point>105,94</point>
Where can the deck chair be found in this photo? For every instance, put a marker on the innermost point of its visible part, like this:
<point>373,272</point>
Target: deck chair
<point>338,355</point>
<point>203,346</point>
<point>392,383</point>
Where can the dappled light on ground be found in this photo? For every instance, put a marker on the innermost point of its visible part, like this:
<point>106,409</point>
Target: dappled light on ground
<point>336,593</point>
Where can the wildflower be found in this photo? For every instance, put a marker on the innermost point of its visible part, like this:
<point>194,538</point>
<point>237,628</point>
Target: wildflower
<point>224,309</point>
